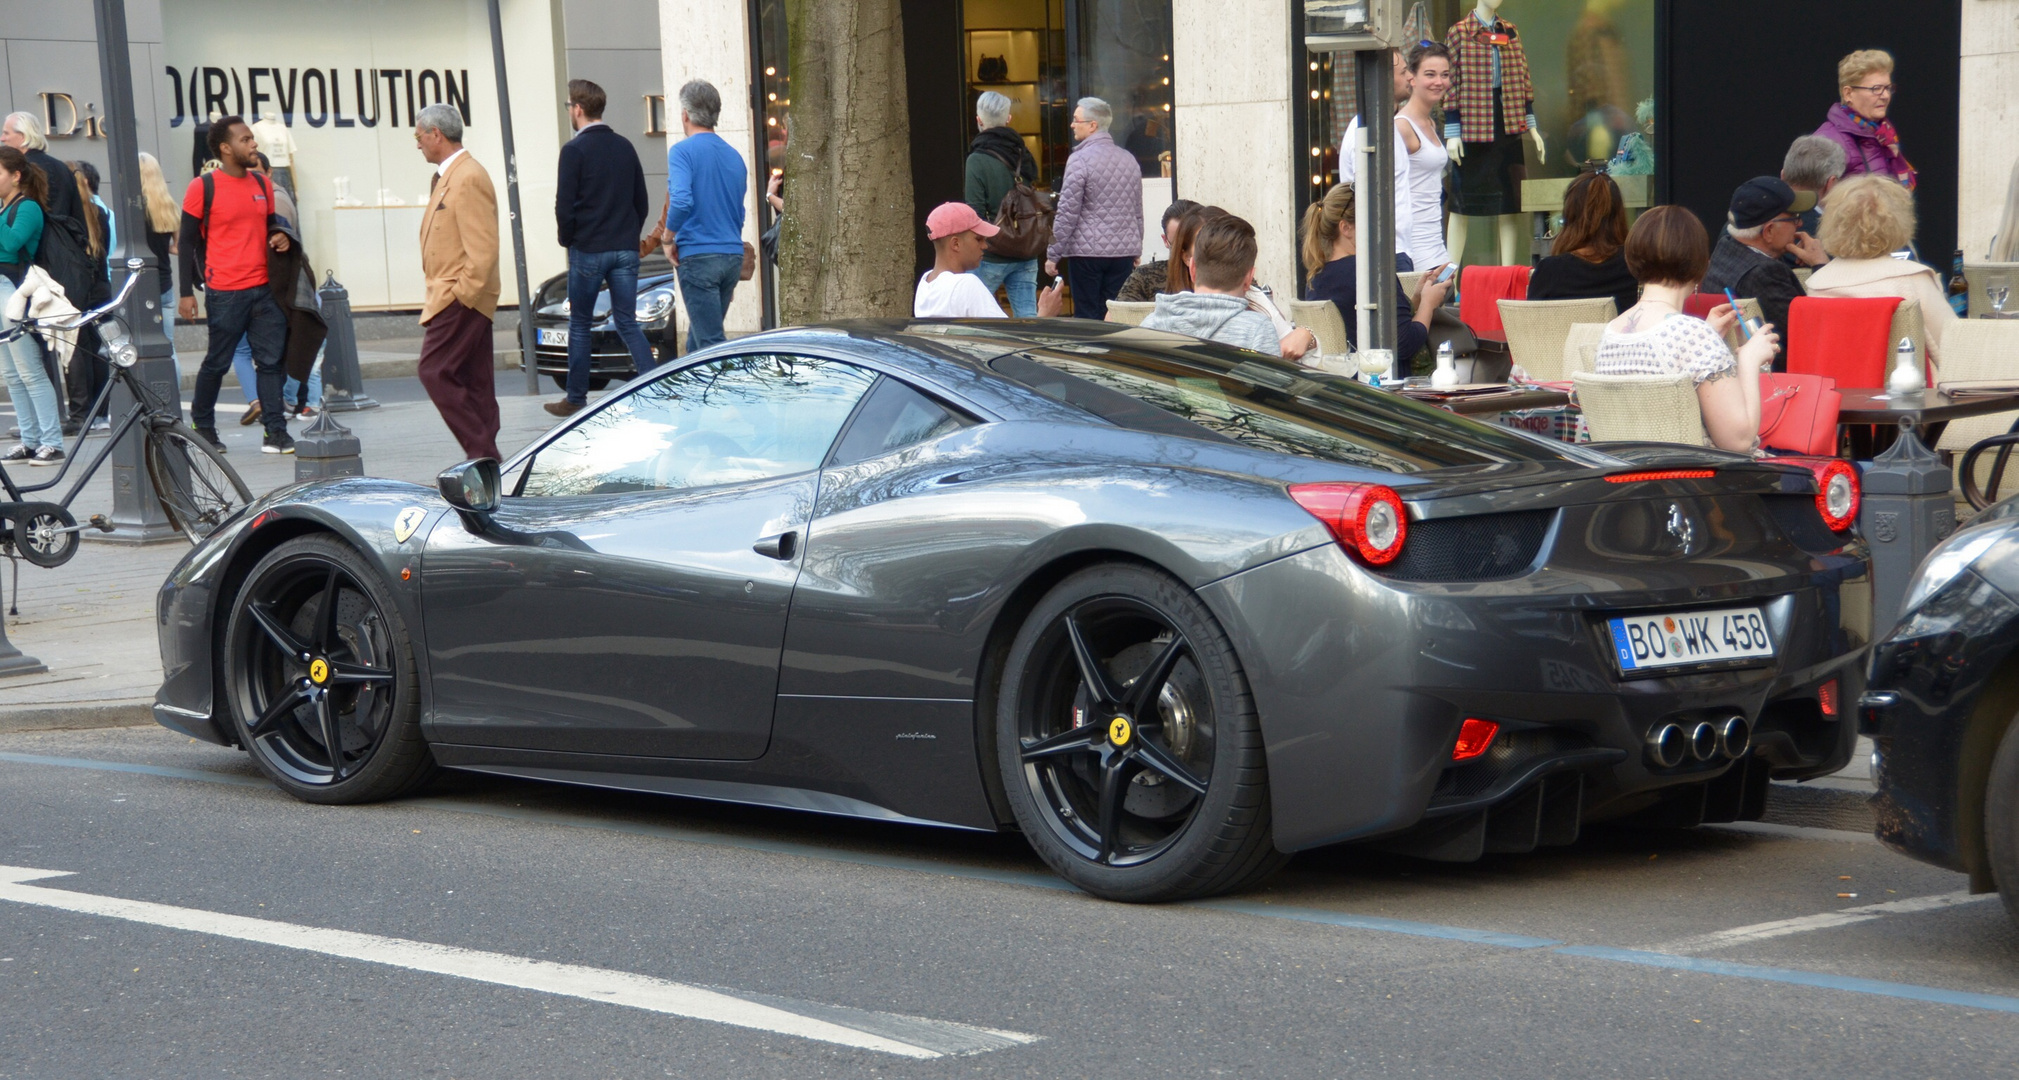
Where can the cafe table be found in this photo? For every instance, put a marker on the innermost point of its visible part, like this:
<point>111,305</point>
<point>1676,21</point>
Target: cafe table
<point>1876,418</point>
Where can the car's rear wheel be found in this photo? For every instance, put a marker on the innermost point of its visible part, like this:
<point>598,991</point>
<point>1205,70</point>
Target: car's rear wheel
<point>320,679</point>
<point>2001,819</point>
<point>1128,742</point>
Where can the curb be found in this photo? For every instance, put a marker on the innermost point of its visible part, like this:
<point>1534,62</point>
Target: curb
<point>135,712</point>
<point>382,369</point>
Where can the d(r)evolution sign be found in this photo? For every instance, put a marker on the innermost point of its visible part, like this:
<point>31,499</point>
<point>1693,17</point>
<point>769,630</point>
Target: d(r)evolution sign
<point>318,95</point>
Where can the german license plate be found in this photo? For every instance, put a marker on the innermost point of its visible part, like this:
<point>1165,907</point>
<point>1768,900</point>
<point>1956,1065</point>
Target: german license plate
<point>554,337</point>
<point>1643,642</point>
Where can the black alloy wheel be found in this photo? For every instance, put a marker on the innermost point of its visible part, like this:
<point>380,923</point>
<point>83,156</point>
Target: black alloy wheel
<point>320,676</point>
<point>198,489</point>
<point>1128,743</point>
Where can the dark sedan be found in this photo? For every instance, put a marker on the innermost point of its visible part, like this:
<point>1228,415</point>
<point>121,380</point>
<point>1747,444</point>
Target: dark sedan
<point>609,361</point>
<point>1173,610</point>
<point>1942,706</point>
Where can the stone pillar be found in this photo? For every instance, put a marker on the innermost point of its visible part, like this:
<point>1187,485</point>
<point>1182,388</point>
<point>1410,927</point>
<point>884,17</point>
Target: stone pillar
<point>1231,79</point>
<point>710,39</point>
<point>1988,119</point>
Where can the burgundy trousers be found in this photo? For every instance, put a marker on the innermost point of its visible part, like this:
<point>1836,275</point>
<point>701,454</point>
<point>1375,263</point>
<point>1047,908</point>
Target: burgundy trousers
<point>456,367</point>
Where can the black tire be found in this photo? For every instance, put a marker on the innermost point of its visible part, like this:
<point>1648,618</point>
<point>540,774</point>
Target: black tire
<point>1170,751</point>
<point>2001,820</point>
<point>367,690</point>
<point>45,534</point>
<point>197,488</point>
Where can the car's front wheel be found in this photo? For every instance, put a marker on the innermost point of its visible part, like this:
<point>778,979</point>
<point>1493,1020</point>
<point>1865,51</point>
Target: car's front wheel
<point>320,679</point>
<point>1129,745</point>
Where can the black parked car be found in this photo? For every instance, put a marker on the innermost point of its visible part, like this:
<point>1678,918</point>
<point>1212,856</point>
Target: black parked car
<point>609,360</point>
<point>1169,608</point>
<point>1942,705</point>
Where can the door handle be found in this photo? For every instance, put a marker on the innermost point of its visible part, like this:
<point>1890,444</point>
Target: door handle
<point>781,546</point>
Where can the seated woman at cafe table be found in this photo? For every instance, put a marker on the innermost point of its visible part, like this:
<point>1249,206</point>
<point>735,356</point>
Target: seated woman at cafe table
<point>1668,252</point>
<point>1328,255</point>
<point>1870,218</point>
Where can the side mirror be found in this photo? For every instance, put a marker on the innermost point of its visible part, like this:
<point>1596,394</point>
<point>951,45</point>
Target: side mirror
<point>471,487</point>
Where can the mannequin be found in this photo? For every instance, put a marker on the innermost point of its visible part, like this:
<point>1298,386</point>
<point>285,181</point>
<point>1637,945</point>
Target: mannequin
<point>277,143</point>
<point>1488,157</point>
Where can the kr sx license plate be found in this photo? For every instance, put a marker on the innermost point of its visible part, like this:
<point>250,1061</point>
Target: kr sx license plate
<point>554,337</point>
<point>1686,638</point>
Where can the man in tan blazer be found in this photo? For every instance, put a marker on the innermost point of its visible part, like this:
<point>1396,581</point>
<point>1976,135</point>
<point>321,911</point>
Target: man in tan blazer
<point>459,260</point>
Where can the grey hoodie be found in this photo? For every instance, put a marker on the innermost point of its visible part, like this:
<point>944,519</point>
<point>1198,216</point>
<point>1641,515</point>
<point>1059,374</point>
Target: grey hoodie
<point>1215,317</point>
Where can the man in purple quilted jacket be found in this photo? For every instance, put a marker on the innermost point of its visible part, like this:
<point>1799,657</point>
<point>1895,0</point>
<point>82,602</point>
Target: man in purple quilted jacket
<point>1098,229</point>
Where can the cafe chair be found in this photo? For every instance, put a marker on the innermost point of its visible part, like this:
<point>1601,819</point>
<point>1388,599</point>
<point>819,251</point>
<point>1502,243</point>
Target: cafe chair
<point>1975,349</point>
<point>1322,318</point>
<point>1980,275</point>
<point>1640,408</point>
<point>1537,330</point>
<point>1479,290</point>
<point>1849,340</point>
<point>1130,312</point>
<point>1981,478</point>
<point>1699,305</point>
<point>1410,279</point>
<point>1580,348</point>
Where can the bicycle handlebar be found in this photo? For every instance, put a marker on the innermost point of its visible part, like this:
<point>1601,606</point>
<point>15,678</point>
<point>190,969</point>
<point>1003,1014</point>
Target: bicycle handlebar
<point>83,318</point>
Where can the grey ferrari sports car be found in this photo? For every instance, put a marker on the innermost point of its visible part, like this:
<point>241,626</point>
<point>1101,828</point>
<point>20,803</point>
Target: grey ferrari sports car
<point>1171,609</point>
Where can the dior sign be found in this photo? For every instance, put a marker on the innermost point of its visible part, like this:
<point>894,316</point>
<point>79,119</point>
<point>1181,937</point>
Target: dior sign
<point>62,119</point>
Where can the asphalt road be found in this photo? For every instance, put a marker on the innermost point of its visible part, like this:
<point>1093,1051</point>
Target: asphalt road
<point>540,931</point>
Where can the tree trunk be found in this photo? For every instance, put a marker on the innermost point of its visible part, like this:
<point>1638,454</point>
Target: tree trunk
<point>845,250</point>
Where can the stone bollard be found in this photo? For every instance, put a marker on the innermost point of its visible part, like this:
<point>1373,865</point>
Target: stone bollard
<point>343,388</point>
<point>1907,510</point>
<point>327,448</point>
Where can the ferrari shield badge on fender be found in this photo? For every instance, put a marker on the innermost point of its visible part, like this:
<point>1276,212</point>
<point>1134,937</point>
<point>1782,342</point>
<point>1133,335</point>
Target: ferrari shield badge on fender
<point>409,520</point>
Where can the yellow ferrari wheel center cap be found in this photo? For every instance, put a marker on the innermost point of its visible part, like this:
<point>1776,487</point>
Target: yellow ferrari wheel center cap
<point>1119,731</point>
<point>318,671</point>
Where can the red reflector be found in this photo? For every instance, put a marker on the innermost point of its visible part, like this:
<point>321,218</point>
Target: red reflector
<point>1474,736</point>
<point>261,520</point>
<point>1661,474</point>
<point>1826,696</point>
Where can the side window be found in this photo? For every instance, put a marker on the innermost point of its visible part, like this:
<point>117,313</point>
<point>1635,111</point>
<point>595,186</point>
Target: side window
<point>724,422</point>
<point>895,416</point>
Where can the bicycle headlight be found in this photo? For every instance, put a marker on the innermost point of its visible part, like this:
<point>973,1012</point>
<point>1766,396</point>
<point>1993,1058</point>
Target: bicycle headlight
<point>654,305</point>
<point>119,347</point>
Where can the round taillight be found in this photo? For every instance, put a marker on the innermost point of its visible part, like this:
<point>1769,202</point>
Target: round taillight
<point>1366,519</point>
<point>1837,494</point>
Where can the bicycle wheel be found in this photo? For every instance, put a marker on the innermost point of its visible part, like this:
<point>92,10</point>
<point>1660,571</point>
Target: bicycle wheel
<point>198,489</point>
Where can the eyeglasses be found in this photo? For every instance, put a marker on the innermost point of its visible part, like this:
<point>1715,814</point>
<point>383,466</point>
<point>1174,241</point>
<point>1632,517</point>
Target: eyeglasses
<point>1884,90</point>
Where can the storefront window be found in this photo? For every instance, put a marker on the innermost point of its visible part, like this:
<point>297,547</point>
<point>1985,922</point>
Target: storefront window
<point>1044,55</point>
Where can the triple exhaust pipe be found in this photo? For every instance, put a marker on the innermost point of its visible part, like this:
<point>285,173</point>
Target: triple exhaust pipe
<point>1669,745</point>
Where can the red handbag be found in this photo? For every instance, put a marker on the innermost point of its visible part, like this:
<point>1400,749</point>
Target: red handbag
<point>1798,413</point>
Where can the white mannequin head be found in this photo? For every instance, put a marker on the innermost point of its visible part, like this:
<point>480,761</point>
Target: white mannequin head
<point>1488,10</point>
<point>270,115</point>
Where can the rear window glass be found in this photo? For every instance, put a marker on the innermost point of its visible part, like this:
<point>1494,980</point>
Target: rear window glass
<point>1229,396</point>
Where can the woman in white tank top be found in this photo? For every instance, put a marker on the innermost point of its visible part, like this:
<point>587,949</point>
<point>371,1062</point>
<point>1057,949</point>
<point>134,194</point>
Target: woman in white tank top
<point>1430,71</point>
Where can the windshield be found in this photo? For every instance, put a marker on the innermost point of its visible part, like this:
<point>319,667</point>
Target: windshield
<point>1229,395</point>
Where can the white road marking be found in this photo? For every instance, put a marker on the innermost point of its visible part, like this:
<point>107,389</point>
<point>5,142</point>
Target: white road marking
<point>889,1033</point>
<point>1743,935</point>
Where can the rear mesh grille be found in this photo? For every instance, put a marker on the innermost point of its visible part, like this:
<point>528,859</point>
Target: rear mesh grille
<point>1484,547</point>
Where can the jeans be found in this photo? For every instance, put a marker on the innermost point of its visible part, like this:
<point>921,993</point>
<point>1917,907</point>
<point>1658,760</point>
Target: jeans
<point>707,283</point>
<point>290,388</point>
<point>28,384</point>
<point>1021,279</point>
<point>168,321</point>
<point>1095,281</point>
<point>587,271</point>
<point>250,314</point>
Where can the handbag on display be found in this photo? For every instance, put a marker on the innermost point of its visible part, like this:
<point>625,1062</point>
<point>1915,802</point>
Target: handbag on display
<point>1798,413</point>
<point>993,69</point>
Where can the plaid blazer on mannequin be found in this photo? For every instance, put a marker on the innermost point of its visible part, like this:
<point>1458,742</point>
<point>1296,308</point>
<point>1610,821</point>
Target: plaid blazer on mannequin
<point>1471,95</point>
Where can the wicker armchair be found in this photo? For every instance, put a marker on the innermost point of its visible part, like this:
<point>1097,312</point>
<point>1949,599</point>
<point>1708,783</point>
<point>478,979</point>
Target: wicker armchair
<point>1979,275</point>
<point>1537,329</point>
<point>1410,279</point>
<point>1580,348</point>
<point>1641,408</point>
<point>1978,349</point>
<point>1322,318</point>
<point>1131,312</point>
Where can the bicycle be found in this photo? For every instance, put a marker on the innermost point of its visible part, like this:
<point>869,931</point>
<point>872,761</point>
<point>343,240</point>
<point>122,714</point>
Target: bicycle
<point>197,488</point>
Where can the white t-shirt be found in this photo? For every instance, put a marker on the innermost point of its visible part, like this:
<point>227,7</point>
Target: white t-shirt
<point>1349,163</point>
<point>954,296</point>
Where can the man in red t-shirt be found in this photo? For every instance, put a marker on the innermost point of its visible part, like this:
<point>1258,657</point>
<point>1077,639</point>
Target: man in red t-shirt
<point>224,245</point>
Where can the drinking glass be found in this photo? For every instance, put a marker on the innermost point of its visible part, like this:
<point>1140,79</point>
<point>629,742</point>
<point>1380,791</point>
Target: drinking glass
<point>1998,289</point>
<point>1376,363</point>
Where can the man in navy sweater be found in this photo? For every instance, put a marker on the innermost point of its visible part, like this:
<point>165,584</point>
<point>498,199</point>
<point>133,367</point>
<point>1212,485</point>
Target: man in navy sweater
<point>600,205</point>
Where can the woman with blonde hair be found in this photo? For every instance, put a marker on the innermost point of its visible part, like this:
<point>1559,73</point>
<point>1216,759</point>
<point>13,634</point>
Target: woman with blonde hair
<point>1870,218</point>
<point>164,217</point>
<point>1329,234</point>
<point>1858,123</point>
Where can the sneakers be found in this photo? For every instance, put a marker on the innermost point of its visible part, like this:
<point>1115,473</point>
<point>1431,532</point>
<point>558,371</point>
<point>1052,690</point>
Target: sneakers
<point>305,411</point>
<point>277,444</point>
<point>19,453</point>
<point>209,435</point>
<point>250,416</point>
<point>48,455</point>
<point>564,407</point>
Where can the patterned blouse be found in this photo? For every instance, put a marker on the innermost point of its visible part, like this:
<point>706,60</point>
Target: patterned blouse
<point>1677,343</point>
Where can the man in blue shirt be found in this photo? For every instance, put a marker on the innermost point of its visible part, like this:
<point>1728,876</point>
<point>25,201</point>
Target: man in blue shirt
<point>706,182</point>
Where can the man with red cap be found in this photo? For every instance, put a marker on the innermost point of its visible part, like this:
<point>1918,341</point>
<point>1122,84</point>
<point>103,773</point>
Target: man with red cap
<point>951,289</point>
